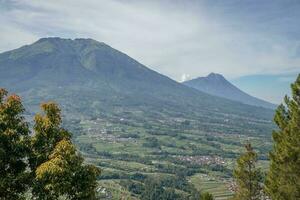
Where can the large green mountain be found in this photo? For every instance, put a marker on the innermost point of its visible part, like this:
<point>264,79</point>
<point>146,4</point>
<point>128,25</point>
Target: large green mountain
<point>134,122</point>
<point>86,75</point>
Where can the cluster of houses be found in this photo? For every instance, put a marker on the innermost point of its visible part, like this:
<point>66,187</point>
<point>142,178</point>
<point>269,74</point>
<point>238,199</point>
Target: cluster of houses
<point>105,132</point>
<point>202,160</point>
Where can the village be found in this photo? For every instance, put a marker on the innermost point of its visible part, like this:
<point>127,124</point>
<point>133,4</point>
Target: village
<point>202,160</point>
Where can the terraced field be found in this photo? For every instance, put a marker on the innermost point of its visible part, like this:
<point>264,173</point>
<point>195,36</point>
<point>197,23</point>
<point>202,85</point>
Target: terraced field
<point>218,188</point>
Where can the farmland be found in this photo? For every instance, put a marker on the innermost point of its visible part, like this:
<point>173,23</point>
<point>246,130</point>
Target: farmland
<point>129,151</point>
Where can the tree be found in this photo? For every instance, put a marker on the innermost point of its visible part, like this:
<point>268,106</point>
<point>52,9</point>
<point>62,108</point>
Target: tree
<point>64,175</point>
<point>248,176</point>
<point>47,164</point>
<point>57,167</point>
<point>283,178</point>
<point>206,196</point>
<point>14,135</point>
<point>47,134</point>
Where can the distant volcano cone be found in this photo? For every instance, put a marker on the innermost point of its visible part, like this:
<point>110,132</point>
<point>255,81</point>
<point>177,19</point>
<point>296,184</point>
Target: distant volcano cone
<point>217,85</point>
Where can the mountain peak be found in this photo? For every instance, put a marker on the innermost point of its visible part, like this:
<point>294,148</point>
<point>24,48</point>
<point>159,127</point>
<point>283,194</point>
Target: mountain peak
<point>74,59</point>
<point>56,40</point>
<point>215,76</point>
<point>51,39</point>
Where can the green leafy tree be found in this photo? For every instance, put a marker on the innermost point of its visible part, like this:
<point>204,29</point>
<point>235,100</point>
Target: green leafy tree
<point>248,176</point>
<point>57,167</point>
<point>48,133</point>
<point>14,133</point>
<point>206,196</point>
<point>283,178</point>
<point>64,175</point>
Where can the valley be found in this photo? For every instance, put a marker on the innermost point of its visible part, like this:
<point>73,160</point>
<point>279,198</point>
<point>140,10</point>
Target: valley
<point>137,125</point>
<point>126,150</point>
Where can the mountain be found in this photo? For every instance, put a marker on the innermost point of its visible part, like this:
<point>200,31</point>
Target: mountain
<point>131,121</point>
<point>89,78</point>
<point>216,84</point>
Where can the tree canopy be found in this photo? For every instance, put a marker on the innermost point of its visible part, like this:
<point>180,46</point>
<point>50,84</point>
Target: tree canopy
<point>283,178</point>
<point>14,147</point>
<point>45,162</point>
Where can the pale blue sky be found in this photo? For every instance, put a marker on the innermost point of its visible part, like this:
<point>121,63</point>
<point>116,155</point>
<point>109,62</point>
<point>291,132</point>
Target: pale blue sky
<point>270,87</point>
<point>181,39</point>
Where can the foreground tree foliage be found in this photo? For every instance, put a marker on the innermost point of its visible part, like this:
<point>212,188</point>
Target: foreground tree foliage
<point>58,168</point>
<point>14,137</point>
<point>64,175</point>
<point>47,164</point>
<point>248,176</point>
<point>283,178</point>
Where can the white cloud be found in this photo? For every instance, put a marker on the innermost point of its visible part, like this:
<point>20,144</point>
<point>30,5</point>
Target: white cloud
<point>173,39</point>
<point>185,77</point>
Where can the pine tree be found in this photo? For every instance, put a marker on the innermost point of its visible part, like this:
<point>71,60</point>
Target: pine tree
<point>14,133</point>
<point>248,176</point>
<point>57,167</point>
<point>283,178</point>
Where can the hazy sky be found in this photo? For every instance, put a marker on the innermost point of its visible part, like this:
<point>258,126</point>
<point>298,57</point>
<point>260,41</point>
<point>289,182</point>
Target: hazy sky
<point>181,39</point>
